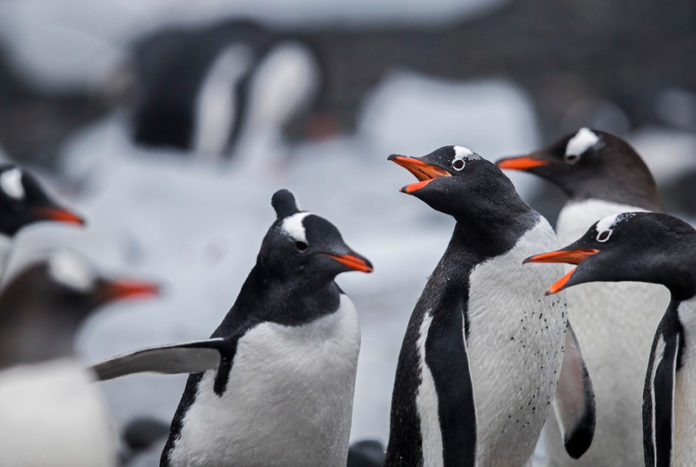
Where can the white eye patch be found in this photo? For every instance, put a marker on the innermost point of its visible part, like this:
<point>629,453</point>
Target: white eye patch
<point>581,142</point>
<point>292,227</point>
<point>68,270</point>
<point>11,183</point>
<point>460,152</point>
<point>605,227</point>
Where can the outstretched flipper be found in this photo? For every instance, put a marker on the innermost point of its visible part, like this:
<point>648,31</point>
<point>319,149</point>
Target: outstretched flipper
<point>574,402</point>
<point>191,357</point>
<point>658,395</point>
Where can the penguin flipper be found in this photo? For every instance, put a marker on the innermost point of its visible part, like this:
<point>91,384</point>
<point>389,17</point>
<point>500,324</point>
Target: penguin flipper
<point>658,398</point>
<point>574,402</point>
<point>191,357</point>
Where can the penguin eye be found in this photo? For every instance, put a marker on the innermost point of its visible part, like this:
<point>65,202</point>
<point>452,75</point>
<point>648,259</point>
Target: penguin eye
<point>604,235</point>
<point>301,246</point>
<point>458,164</point>
<point>571,158</point>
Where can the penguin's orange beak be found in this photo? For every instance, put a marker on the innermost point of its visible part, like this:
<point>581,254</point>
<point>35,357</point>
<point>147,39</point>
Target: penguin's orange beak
<point>521,162</point>
<point>58,214</point>
<point>123,289</point>
<point>353,262</point>
<point>562,256</point>
<point>423,171</point>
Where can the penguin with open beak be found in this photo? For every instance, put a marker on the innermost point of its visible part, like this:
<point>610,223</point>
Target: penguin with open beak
<point>483,355</point>
<point>659,249</point>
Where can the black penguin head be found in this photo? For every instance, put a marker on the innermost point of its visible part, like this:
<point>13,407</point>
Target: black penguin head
<point>43,306</point>
<point>67,278</point>
<point>633,246</point>
<point>23,202</point>
<point>455,180</point>
<point>592,164</point>
<point>301,243</point>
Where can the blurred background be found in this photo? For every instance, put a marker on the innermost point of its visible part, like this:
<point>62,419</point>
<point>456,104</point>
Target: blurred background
<point>168,124</point>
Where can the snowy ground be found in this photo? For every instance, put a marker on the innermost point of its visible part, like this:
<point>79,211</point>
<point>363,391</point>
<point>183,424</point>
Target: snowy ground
<point>197,227</point>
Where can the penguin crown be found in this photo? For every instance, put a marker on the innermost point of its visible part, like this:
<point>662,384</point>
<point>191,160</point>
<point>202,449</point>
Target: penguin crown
<point>284,203</point>
<point>11,183</point>
<point>71,271</point>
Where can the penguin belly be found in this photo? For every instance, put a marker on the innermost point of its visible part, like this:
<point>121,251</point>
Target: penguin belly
<point>684,434</point>
<point>515,345</point>
<point>288,399</point>
<point>615,324</point>
<point>52,414</point>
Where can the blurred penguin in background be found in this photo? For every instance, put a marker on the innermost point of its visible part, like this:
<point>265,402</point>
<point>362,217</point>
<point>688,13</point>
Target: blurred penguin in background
<point>229,87</point>
<point>51,413</point>
<point>23,202</point>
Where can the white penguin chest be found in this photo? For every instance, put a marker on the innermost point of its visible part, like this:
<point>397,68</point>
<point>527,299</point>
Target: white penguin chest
<point>684,435</point>
<point>288,399</point>
<point>515,350</point>
<point>52,414</point>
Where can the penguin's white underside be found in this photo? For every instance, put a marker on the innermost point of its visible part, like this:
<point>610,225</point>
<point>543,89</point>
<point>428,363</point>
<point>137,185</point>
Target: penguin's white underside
<point>684,412</point>
<point>514,349</point>
<point>427,403</point>
<point>52,414</point>
<point>289,387</point>
<point>616,353</point>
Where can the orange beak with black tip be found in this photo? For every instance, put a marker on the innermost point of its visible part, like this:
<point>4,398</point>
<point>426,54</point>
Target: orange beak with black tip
<point>123,289</point>
<point>353,262</point>
<point>562,256</point>
<point>58,214</point>
<point>521,162</point>
<point>424,172</point>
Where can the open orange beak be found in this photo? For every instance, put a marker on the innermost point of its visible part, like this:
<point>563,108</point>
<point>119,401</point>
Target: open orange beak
<point>423,171</point>
<point>562,256</point>
<point>59,215</point>
<point>520,163</point>
<point>353,262</point>
<point>125,289</point>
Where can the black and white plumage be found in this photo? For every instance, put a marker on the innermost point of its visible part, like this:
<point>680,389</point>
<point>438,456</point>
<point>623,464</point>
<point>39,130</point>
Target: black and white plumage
<point>274,384</point>
<point>603,175</point>
<point>482,354</point>
<point>660,249</point>
<point>220,88</point>
<point>51,413</point>
<point>24,202</point>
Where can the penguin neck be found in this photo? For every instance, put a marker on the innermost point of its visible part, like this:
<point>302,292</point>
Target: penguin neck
<point>23,340</point>
<point>291,301</point>
<point>492,229</point>
<point>641,192</point>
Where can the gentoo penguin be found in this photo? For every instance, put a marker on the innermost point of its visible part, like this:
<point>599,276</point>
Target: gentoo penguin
<point>482,354</point>
<point>603,175</point>
<point>661,249</point>
<point>274,384</point>
<point>51,413</point>
<point>207,89</point>
<point>23,202</point>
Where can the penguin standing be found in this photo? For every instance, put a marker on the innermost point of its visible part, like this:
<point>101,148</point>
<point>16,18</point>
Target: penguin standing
<point>482,354</point>
<point>661,249</point>
<point>51,413</point>
<point>209,89</point>
<point>23,202</point>
<point>274,384</point>
<point>603,175</point>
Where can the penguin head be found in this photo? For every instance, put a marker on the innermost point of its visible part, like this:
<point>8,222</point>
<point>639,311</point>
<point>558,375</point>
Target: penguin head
<point>302,243</point>
<point>452,179</point>
<point>631,246</point>
<point>23,201</point>
<point>46,302</point>
<point>591,164</point>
